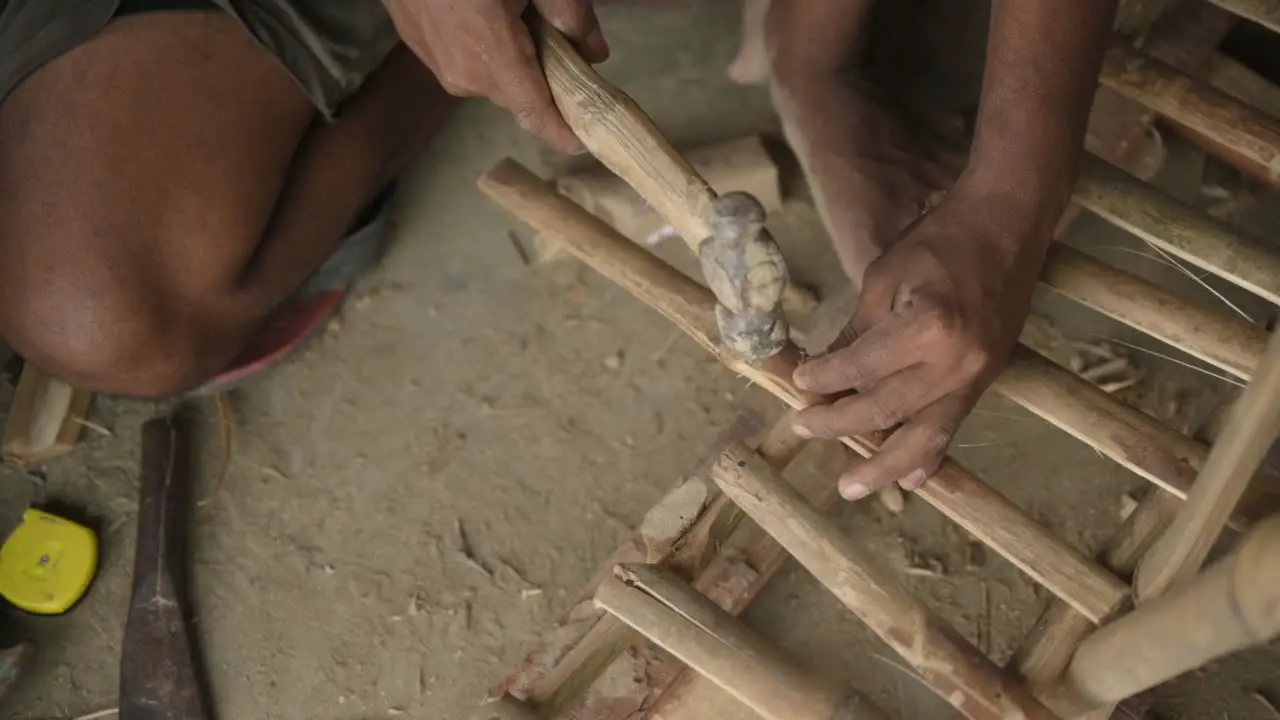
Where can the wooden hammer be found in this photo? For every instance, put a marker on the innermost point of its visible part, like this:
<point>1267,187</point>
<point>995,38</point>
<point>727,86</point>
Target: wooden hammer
<point>740,260</point>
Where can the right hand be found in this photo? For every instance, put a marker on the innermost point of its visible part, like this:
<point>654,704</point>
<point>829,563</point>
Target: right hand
<point>483,48</point>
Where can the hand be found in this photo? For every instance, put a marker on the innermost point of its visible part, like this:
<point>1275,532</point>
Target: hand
<point>482,48</point>
<point>940,311</point>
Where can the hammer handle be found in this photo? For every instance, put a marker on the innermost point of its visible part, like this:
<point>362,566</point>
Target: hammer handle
<point>160,677</point>
<point>618,133</point>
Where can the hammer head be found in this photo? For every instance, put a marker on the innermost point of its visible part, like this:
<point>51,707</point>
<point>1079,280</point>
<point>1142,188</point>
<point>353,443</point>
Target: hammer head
<point>745,270</point>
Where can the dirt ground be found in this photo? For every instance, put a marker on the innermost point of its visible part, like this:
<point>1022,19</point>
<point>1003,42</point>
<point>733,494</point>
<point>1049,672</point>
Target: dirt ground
<point>541,411</point>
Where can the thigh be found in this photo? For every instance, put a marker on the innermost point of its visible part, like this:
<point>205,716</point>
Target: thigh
<point>149,157</point>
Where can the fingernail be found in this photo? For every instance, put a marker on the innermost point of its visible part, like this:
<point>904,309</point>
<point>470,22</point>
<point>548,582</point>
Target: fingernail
<point>913,480</point>
<point>853,491</point>
<point>800,429</point>
<point>801,377</point>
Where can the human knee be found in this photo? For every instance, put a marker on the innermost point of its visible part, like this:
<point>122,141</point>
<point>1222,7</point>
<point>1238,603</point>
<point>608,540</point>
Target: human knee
<point>123,340</point>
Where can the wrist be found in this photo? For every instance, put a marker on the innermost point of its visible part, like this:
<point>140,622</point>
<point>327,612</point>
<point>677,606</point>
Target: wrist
<point>1029,195</point>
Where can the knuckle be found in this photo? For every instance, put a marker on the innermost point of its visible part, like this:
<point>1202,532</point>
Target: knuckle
<point>883,414</point>
<point>938,324</point>
<point>936,440</point>
<point>847,374</point>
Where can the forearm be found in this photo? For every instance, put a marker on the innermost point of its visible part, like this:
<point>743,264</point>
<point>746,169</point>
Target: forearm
<point>813,40</point>
<point>829,113</point>
<point>1043,58</point>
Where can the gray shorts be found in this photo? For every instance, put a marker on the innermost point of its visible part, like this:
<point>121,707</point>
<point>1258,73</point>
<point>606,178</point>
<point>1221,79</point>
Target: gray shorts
<point>328,46</point>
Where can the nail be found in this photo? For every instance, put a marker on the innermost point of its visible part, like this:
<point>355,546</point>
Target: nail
<point>853,491</point>
<point>798,428</point>
<point>801,377</point>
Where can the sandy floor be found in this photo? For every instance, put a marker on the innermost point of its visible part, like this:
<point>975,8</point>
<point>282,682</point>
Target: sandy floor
<point>461,388</point>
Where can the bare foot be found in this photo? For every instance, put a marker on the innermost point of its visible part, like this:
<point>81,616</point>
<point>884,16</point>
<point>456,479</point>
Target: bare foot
<point>751,65</point>
<point>872,168</point>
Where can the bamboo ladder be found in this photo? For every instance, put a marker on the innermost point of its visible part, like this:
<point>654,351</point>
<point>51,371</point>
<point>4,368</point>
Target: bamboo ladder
<point>665,603</point>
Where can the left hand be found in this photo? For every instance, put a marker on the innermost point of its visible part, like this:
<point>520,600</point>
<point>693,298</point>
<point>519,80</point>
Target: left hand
<point>939,313</point>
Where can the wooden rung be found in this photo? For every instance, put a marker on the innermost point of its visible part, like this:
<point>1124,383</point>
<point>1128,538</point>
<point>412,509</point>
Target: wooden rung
<point>1180,229</point>
<point>1264,12</point>
<point>720,647</point>
<point>1248,132</point>
<point>1225,341</point>
<point>962,497</point>
<point>1234,605</point>
<point>956,670</point>
<point>1130,437</point>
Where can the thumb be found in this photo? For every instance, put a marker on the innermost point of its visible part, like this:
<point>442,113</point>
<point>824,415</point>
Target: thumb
<point>577,20</point>
<point>879,286</point>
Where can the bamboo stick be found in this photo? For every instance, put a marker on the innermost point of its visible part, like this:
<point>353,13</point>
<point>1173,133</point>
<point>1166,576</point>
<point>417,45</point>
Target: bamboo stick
<point>955,669</point>
<point>1243,82</point>
<point>1132,438</point>
<point>743,564</point>
<point>1251,135</point>
<point>1121,130</point>
<point>1264,12</point>
<point>721,648</point>
<point>1251,429</point>
<point>1235,604</point>
<point>975,506</point>
<point>46,418</point>
<point>1178,228</point>
<point>504,708</point>
<point>1224,341</point>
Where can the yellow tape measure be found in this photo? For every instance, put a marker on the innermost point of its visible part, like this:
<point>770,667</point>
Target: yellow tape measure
<point>47,564</point>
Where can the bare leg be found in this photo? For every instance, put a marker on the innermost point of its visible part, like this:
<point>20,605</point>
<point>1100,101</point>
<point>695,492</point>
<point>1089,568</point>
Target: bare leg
<point>751,65</point>
<point>852,142</point>
<point>166,185</point>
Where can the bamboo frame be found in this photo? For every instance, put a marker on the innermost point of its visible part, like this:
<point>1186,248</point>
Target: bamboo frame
<point>1166,458</point>
<point>960,495</point>
<point>1251,136</point>
<point>677,298</point>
